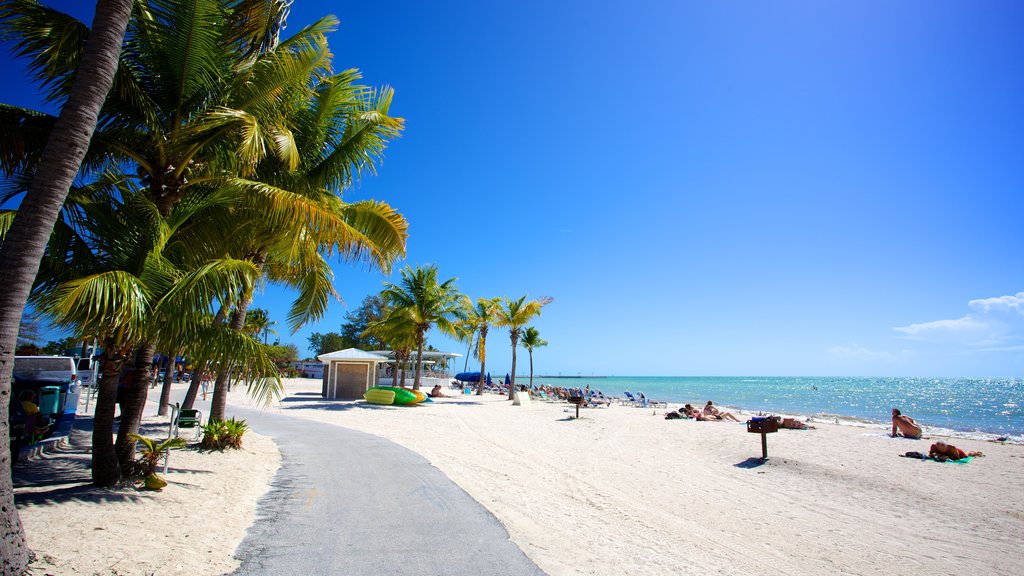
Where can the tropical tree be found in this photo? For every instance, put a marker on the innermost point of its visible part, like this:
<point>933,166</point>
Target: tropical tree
<point>397,330</point>
<point>531,339</point>
<point>257,321</point>
<point>24,244</point>
<point>324,343</point>
<point>479,317</point>
<point>514,314</point>
<point>115,270</point>
<point>193,94</point>
<point>427,303</point>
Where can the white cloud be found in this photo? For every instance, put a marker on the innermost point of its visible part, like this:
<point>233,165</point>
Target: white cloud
<point>966,325</point>
<point>1000,303</point>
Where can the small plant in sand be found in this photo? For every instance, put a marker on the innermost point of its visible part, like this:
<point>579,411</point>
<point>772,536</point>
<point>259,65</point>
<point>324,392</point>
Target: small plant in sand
<point>221,434</point>
<point>149,457</point>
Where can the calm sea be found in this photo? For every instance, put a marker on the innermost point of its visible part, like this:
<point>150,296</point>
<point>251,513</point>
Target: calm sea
<point>971,407</point>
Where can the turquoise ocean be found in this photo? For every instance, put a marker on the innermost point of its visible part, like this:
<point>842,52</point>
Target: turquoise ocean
<point>982,408</point>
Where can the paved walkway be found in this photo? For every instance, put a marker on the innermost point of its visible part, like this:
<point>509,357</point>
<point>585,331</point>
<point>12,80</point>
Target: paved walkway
<point>346,502</point>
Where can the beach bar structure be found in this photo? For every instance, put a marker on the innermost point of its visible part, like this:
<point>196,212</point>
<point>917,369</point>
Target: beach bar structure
<point>349,373</point>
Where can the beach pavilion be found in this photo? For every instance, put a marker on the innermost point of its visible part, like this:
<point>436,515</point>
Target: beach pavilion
<point>349,373</point>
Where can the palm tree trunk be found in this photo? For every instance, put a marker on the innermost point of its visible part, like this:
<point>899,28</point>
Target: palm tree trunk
<point>26,240</point>
<point>165,392</point>
<point>531,368</point>
<point>482,353</point>
<point>512,384</point>
<point>106,470</point>
<point>134,403</point>
<point>219,404</point>
<point>419,360</point>
<point>197,376</point>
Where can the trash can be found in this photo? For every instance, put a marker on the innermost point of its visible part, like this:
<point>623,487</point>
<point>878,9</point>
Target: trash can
<point>49,401</point>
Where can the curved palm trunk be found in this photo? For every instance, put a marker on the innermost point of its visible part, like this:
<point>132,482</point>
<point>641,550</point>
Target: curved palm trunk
<point>165,391</point>
<point>197,376</point>
<point>134,402</point>
<point>26,240</point>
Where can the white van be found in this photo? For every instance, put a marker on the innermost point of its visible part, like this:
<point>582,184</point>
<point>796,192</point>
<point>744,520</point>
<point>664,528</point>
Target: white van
<point>87,369</point>
<point>62,368</point>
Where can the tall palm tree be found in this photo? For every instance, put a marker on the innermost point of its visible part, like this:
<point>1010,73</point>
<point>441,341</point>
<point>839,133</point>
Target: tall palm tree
<point>480,316</point>
<point>24,243</point>
<point>515,314</point>
<point>427,302</point>
<point>531,339</point>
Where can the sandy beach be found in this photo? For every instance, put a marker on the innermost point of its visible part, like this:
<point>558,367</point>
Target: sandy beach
<point>619,491</point>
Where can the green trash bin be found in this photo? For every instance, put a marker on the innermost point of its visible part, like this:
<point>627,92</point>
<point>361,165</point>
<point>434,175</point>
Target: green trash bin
<point>49,401</point>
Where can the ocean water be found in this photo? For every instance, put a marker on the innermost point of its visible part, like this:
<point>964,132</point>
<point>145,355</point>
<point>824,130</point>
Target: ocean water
<point>983,408</point>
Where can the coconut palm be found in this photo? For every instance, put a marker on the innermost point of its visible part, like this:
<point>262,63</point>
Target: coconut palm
<point>514,314</point>
<point>114,269</point>
<point>427,302</point>
<point>531,339</point>
<point>397,330</point>
<point>24,243</point>
<point>480,316</point>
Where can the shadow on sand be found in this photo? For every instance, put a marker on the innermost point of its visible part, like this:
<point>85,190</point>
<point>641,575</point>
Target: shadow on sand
<point>751,462</point>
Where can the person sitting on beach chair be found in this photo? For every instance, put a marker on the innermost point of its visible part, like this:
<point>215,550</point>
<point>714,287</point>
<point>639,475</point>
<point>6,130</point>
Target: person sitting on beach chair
<point>37,423</point>
<point>905,424</point>
<point>942,452</point>
<point>711,410</point>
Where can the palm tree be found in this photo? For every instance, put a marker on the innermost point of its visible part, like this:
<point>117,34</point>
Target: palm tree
<point>24,243</point>
<point>531,339</point>
<point>480,316</point>
<point>257,321</point>
<point>427,302</point>
<point>115,270</point>
<point>397,330</point>
<point>514,315</point>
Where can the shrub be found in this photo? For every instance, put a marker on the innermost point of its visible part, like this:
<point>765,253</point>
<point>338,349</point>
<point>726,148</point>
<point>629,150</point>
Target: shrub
<point>221,434</point>
<point>149,458</point>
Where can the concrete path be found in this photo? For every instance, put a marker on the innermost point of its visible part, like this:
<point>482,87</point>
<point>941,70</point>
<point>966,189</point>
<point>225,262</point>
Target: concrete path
<point>349,503</point>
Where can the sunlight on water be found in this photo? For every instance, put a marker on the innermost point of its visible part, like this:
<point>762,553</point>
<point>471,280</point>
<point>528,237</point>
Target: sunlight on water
<point>965,405</point>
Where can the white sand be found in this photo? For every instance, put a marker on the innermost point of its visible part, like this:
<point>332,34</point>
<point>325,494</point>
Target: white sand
<point>619,491</point>
<point>190,527</point>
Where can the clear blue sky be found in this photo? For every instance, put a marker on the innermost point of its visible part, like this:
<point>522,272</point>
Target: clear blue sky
<point>706,188</point>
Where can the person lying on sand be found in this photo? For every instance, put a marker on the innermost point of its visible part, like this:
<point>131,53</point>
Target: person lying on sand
<point>794,424</point>
<point>942,451</point>
<point>905,424</point>
<point>691,412</point>
<point>711,410</point>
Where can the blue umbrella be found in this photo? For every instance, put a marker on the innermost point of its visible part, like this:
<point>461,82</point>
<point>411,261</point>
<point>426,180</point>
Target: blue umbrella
<point>489,382</point>
<point>507,380</point>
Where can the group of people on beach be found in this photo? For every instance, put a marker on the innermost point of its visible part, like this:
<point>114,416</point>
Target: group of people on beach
<point>710,412</point>
<point>905,426</point>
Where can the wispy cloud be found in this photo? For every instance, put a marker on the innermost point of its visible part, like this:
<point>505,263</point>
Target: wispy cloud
<point>1013,303</point>
<point>967,324</point>
<point>991,325</point>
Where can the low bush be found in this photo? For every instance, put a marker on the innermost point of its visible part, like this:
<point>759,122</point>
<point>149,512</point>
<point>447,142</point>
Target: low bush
<point>221,434</point>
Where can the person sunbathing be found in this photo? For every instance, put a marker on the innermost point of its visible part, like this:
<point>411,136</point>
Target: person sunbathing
<point>711,410</point>
<point>905,425</point>
<point>692,412</point>
<point>435,392</point>
<point>942,451</point>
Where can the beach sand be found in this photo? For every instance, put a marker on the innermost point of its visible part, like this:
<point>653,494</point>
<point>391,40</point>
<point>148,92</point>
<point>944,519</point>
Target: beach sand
<point>190,527</point>
<point>619,491</point>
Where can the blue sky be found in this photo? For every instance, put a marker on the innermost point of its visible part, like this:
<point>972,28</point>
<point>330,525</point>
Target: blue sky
<point>705,188</point>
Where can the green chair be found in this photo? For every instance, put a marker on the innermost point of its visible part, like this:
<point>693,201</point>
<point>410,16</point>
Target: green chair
<point>187,419</point>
